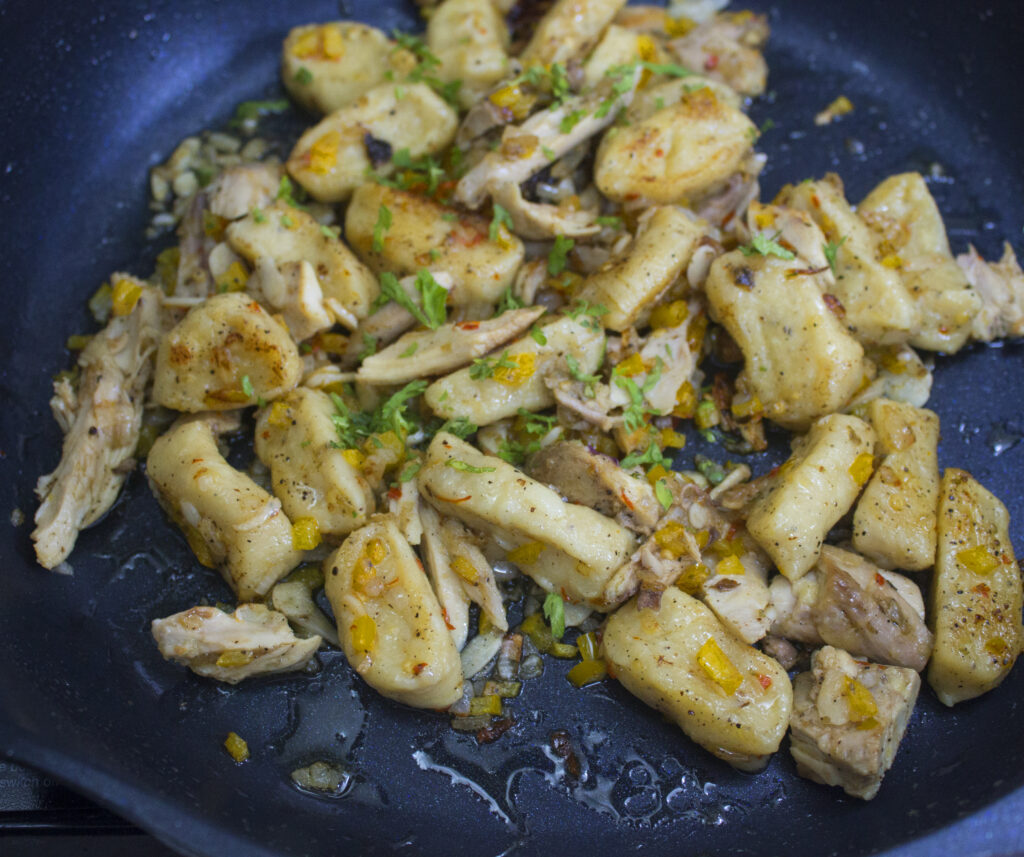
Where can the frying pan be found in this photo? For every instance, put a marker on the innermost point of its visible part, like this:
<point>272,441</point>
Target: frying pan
<point>96,95</point>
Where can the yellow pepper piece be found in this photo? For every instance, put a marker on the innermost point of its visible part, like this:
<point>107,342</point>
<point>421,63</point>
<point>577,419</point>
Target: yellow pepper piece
<point>280,415</point>
<point>686,401</point>
<point>692,578</point>
<point>199,546</point>
<point>305,534</point>
<point>126,295</point>
<point>718,667</point>
<point>490,704</point>
<point>978,560</point>
<point>675,27</point>
<point>354,457</point>
<point>862,467</point>
<point>236,746</point>
<point>526,554</point>
<point>332,343</point>
<point>512,98</point>
<point>233,279</point>
<point>729,547</point>
<point>657,472</point>
<point>588,646</point>
<point>670,315</point>
<point>376,551</point>
<point>587,672</point>
<point>631,366</point>
<point>307,45</point>
<point>743,408</point>
<point>730,565</point>
<point>364,578</point>
<point>465,569</point>
<point>234,658</point>
<point>671,439</point>
<point>859,700</point>
<point>364,634</point>
<point>525,366</point>
<point>672,538</point>
<point>695,333</point>
<point>891,260</point>
<point>323,154</point>
<point>334,47</point>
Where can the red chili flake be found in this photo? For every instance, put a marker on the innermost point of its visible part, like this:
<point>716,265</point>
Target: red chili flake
<point>416,670</point>
<point>981,589</point>
<point>625,499</point>
<point>815,201</point>
<point>444,614</point>
<point>394,493</point>
<point>468,325</point>
<point>255,307</point>
<point>453,499</point>
<point>711,63</point>
<point>764,680</point>
<point>660,153</point>
<point>879,579</point>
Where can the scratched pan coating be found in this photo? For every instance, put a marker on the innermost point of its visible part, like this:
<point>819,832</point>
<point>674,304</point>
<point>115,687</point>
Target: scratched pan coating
<point>93,101</point>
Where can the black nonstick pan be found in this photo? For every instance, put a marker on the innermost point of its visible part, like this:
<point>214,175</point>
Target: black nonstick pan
<point>95,94</point>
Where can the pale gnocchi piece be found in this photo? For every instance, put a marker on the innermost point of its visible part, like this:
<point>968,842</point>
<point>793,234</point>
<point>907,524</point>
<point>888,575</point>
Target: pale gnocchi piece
<point>569,30</point>
<point>226,353</point>
<point>617,47</point>
<point>229,647</point>
<point>659,254</point>
<point>328,66</point>
<point>678,155</point>
<point>660,93</point>
<point>848,720</point>
<point>976,594</point>
<point>286,234</point>
<point>895,519</point>
<point>877,308</point>
<point>572,550</point>
<point>473,570</point>
<point>902,376</point>
<point>727,696</point>
<point>423,353</point>
<point>515,377</point>
<point>426,234</point>
<point>229,521</point>
<point>331,159</point>
<point>296,439</point>
<point>470,38</point>
<point>815,487</point>
<point>912,238</point>
<point>391,626</point>
<point>799,361</point>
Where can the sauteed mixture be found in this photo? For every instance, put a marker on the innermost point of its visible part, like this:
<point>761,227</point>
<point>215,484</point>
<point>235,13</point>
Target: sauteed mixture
<point>468,323</point>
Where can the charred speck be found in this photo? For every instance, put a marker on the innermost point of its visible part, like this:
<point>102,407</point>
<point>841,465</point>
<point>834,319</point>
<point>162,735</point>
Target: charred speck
<point>378,151</point>
<point>744,278</point>
<point>561,743</point>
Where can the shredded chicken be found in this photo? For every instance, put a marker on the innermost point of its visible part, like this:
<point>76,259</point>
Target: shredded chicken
<point>1000,285</point>
<point>232,646</point>
<point>101,423</point>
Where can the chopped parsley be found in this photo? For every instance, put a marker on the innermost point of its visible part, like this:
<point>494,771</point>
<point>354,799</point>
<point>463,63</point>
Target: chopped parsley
<point>433,295</point>
<point>411,469</point>
<point>369,346</point>
<point>501,218</point>
<point>250,111</point>
<point>247,387</point>
<point>711,470</point>
<point>290,194</point>
<point>418,170</point>
<point>353,427</point>
<point>548,153</point>
<point>409,351</point>
<point>558,255</point>
<point>330,231</point>
<point>303,76</point>
<point>633,415</point>
<point>766,246</point>
<point>571,120</point>
<point>382,225</point>
<point>258,216</point>
<point>483,368</point>
<point>537,424</point>
<point>578,374</point>
<point>610,221</point>
<point>586,313</point>
<point>554,612</point>
<point>664,495</point>
<point>508,301</point>
<point>537,335</point>
<point>830,249</point>
<point>466,467</point>
<point>461,427</point>
<point>652,455</point>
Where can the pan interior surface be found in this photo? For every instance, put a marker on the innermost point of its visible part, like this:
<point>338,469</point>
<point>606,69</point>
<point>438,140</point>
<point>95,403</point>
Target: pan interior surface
<point>98,98</point>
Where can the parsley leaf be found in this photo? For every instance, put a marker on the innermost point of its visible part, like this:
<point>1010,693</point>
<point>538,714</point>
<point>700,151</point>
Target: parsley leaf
<point>652,455</point>
<point>433,312</point>
<point>554,612</point>
<point>558,256</point>
<point>416,46</point>
<point>411,469</point>
<point>831,248</point>
<point>610,221</point>
<point>766,246</point>
<point>538,424</point>
<point>392,414</point>
<point>484,368</point>
<point>514,452</point>
<point>508,301</point>
<point>664,495</point>
<point>247,387</point>
<point>466,467</point>
<point>410,350</point>
<point>501,218</point>
<point>633,414</point>
<point>578,374</point>
<point>571,120</point>
<point>303,76</point>
<point>538,335</point>
<point>382,225</point>
<point>369,346</point>
<point>461,427</point>
<point>250,111</point>
<point>588,311</point>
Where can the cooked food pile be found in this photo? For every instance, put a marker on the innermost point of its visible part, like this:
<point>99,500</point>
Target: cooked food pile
<point>466,324</point>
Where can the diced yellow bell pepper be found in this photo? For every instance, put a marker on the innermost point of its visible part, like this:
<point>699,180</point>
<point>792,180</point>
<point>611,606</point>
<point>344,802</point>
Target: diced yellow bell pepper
<point>465,569</point>
<point>236,746</point>
<point>692,578</point>
<point>126,294</point>
<point>364,634</point>
<point>323,154</point>
<point>859,700</point>
<point>490,704</point>
<point>670,315</point>
<point>526,554</point>
<point>672,538</point>
<point>718,667</point>
<point>978,560</point>
<point>730,565</point>
<point>631,366</point>
<point>305,534</point>
<point>525,365</point>
<point>334,47</point>
<point>588,646</point>
<point>235,658</point>
<point>862,467</point>
<point>587,672</point>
